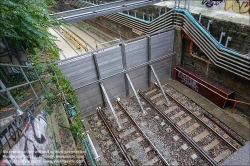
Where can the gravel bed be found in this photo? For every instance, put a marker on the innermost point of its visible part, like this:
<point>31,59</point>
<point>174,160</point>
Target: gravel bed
<point>105,141</point>
<point>162,137</point>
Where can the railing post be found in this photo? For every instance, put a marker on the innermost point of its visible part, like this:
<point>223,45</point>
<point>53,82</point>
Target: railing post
<point>228,39</point>
<point>27,80</point>
<point>149,17</point>
<point>208,25</point>
<point>199,17</point>
<point>135,12</point>
<point>234,107</point>
<point>221,35</point>
<point>143,16</point>
<point>13,101</point>
<point>39,80</point>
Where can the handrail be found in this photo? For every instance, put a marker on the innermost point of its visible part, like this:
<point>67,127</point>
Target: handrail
<point>236,101</point>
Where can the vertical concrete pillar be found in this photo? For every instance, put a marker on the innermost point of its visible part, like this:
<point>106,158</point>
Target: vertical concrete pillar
<point>176,60</point>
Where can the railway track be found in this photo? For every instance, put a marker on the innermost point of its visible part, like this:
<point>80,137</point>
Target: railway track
<point>70,45</point>
<point>192,126</point>
<point>138,146</point>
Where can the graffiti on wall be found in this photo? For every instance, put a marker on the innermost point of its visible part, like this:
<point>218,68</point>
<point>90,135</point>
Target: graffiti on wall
<point>238,6</point>
<point>188,81</point>
<point>31,143</point>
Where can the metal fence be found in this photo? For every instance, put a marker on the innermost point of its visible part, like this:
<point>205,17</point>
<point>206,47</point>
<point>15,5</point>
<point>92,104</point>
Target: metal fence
<point>104,71</point>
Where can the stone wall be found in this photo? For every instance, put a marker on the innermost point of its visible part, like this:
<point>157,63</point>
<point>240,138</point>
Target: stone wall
<point>240,33</point>
<point>112,28</point>
<point>229,80</point>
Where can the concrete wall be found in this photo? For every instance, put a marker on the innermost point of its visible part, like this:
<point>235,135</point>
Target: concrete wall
<point>231,81</point>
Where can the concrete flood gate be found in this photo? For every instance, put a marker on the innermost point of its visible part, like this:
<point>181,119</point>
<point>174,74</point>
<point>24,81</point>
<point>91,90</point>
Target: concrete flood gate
<point>119,70</point>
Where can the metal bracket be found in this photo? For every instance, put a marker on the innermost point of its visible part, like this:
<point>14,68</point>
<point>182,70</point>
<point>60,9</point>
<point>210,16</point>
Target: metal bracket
<point>199,18</point>
<point>158,82</point>
<point>228,39</point>
<point>111,107</point>
<point>13,101</point>
<point>208,25</point>
<point>132,86</point>
<point>221,35</point>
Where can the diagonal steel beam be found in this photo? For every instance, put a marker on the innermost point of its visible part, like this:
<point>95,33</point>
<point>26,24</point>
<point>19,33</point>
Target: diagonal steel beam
<point>132,86</point>
<point>158,82</point>
<point>111,107</point>
<point>95,11</point>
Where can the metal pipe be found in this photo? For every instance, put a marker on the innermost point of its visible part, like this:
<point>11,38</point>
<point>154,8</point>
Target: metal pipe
<point>135,93</point>
<point>17,86</point>
<point>208,25</point>
<point>185,4</point>
<point>159,84</point>
<point>221,35</point>
<point>111,107</point>
<point>97,157</point>
<point>13,101</point>
<point>27,80</point>
<point>199,17</point>
<point>143,16</point>
<point>135,12</point>
<point>179,1</point>
<point>124,63</point>
<point>152,16</point>
<point>40,80</point>
<point>228,39</point>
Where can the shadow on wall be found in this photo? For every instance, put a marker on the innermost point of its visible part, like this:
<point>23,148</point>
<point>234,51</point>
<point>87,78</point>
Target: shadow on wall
<point>35,146</point>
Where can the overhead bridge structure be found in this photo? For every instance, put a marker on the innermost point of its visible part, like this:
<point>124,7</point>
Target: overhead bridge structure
<point>105,74</point>
<point>99,10</point>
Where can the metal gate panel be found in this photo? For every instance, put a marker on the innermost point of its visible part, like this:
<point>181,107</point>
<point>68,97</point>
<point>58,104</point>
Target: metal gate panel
<point>89,97</point>
<point>81,74</point>
<point>136,53</point>
<point>115,87</point>
<point>109,62</point>
<point>139,78</point>
<point>163,69</point>
<point>162,44</point>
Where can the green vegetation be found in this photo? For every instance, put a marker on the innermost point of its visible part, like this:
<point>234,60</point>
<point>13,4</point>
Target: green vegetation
<point>25,23</point>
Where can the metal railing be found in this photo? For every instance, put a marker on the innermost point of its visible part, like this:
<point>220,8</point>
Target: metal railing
<point>6,90</point>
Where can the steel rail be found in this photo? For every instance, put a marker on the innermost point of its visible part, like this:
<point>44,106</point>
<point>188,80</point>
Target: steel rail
<point>200,120</point>
<point>89,34</point>
<point>143,133</point>
<point>70,45</point>
<point>182,133</point>
<point>224,129</point>
<point>87,44</point>
<point>115,138</point>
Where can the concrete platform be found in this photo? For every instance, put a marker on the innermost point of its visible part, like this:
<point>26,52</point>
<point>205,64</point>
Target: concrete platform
<point>240,157</point>
<point>236,121</point>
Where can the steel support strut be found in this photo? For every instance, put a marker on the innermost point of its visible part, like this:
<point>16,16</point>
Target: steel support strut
<point>27,80</point>
<point>149,59</point>
<point>110,106</point>
<point>132,86</point>
<point>13,101</point>
<point>98,77</point>
<point>124,63</point>
<point>158,82</point>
